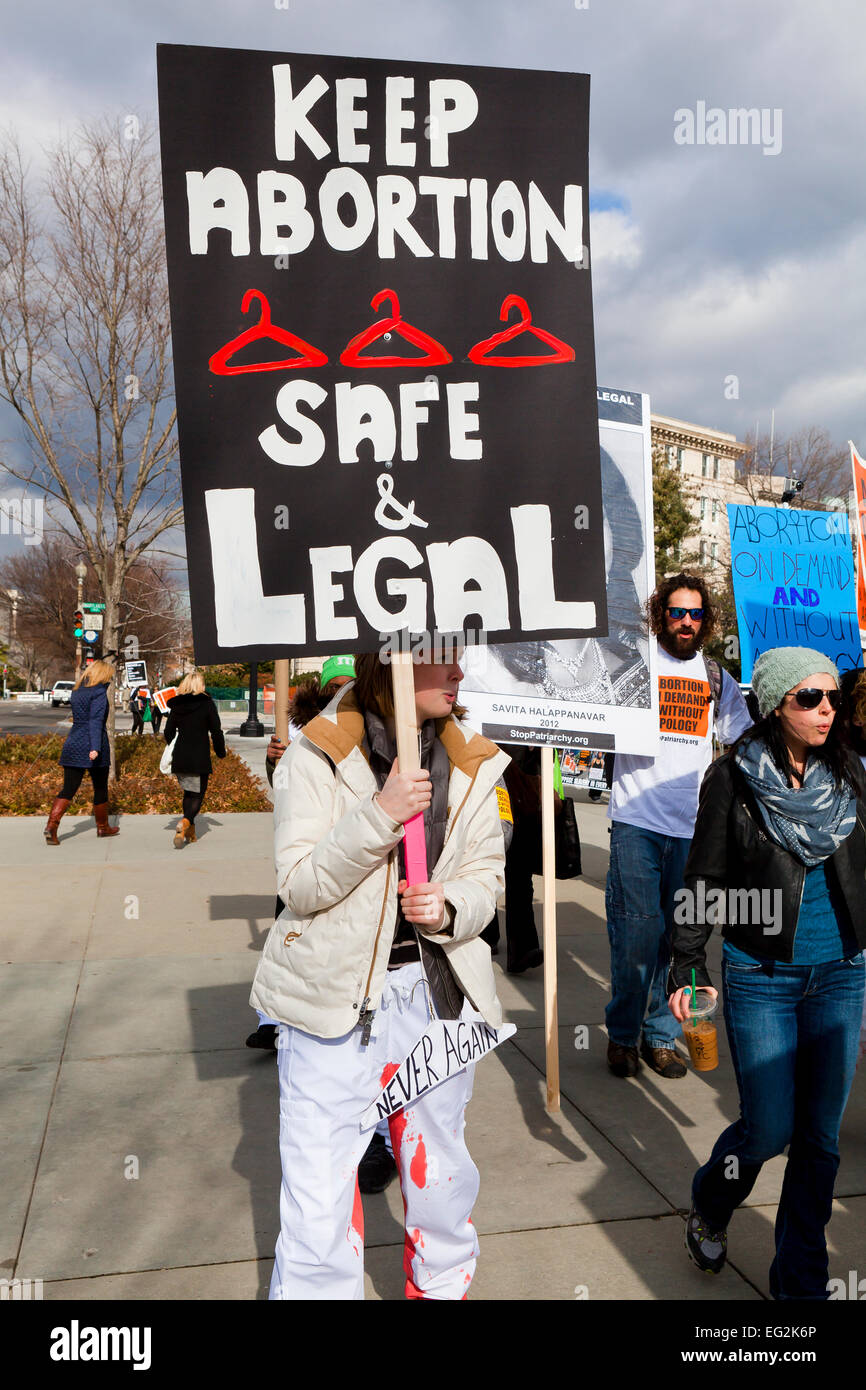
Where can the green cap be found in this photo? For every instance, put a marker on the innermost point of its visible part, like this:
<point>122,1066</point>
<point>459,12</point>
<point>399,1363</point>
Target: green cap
<point>781,668</point>
<point>337,666</point>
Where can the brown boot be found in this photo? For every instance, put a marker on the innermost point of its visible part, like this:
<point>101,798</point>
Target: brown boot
<point>190,832</point>
<point>57,810</point>
<point>180,833</point>
<point>102,826</point>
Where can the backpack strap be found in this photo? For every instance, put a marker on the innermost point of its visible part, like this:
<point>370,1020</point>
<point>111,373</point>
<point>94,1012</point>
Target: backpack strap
<point>715,676</point>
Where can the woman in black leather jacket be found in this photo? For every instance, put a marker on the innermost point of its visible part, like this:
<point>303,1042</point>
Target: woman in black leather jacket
<point>778,859</point>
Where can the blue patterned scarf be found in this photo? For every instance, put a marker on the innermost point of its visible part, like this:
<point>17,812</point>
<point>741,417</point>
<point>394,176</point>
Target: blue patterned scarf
<point>811,821</point>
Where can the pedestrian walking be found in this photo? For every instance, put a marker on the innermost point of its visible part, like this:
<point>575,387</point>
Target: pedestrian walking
<point>653,804</point>
<point>86,749</point>
<point>350,964</point>
<point>779,837</point>
<point>194,720</point>
<point>135,705</point>
<point>147,712</point>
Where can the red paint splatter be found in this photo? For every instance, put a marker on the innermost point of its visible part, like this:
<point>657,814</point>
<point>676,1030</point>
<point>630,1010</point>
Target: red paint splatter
<point>355,1233</point>
<point>358,1211</point>
<point>418,1166</point>
<point>398,1124</point>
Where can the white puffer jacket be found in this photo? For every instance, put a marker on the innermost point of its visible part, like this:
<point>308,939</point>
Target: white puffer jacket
<point>326,956</point>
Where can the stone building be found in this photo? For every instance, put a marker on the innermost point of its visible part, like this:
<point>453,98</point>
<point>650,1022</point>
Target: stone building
<point>706,459</point>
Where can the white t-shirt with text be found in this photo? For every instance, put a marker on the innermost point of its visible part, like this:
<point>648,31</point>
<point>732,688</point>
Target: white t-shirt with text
<point>661,793</point>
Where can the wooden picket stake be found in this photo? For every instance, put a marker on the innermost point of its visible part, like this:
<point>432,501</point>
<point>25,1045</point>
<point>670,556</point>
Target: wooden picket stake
<point>281,700</point>
<point>551,1013</point>
<point>406,722</point>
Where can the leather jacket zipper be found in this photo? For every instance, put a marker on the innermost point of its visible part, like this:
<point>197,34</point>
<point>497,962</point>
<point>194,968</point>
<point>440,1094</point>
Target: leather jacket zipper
<point>799,906</point>
<point>764,836</point>
<point>367,1014</point>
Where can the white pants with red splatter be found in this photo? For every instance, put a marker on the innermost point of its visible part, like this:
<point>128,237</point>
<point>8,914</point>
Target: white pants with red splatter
<point>325,1086</point>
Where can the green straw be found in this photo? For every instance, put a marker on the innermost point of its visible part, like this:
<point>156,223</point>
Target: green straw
<point>694,998</point>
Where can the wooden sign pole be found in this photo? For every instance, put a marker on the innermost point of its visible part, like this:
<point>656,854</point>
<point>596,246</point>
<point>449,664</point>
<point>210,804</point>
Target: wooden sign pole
<point>551,1019</point>
<point>281,700</point>
<point>406,722</point>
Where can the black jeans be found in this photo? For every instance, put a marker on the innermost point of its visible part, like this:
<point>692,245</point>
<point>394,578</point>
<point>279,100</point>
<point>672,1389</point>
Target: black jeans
<point>520,930</point>
<point>72,777</point>
<point>192,800</point>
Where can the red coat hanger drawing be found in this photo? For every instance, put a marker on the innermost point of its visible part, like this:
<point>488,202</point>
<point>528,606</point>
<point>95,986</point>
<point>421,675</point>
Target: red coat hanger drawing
<point>434,353</point>
<point>308,356</point>
<point>482,352</point>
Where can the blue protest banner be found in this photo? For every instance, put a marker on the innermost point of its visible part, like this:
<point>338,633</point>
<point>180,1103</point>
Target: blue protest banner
<point>794,583</point>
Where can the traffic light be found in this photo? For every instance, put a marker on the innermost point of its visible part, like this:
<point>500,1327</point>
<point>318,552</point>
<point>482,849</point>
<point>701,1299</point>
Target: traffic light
<point>78,623</point>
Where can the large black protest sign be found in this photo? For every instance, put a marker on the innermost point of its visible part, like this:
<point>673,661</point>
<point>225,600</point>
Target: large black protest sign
<point>383,344</point>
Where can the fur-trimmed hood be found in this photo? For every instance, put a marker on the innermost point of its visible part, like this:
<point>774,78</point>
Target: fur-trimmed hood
<point>340,728</point>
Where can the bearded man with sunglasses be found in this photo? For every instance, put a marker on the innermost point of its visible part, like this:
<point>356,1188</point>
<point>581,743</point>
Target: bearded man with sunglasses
<point>653,807</point>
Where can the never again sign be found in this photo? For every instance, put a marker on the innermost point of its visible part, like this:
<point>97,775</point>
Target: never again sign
<point>383,350</point>
<point>444,1049</point>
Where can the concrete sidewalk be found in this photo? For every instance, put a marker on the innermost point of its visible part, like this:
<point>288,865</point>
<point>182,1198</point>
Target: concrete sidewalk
<point>140,1135</point>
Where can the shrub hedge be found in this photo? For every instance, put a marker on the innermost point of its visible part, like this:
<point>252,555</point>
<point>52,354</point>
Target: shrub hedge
<point>30,779</point>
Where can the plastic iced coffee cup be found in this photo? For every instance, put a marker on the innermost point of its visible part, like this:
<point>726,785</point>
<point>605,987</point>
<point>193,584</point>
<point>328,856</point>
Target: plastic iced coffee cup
<point>699,1031</point>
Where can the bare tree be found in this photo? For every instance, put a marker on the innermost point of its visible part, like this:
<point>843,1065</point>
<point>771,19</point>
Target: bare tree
<point>152,624</point>
<point>810,456</point>
<point>85,349</point>
<point>44,579</point>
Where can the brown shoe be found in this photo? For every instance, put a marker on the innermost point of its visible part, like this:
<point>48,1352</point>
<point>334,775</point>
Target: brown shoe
<point>57,810</point>
<point>190,832</point>
<point>102,827</point>
<point>622,1060</point>
<point>180,834</point>
<point>663,1060</point>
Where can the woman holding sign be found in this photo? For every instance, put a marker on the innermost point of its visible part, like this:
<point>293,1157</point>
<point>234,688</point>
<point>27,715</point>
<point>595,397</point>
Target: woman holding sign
<point>779,856</point>
<point>359,964</point>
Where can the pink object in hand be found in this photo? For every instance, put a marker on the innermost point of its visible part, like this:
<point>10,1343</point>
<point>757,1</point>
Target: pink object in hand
<point>415,850</point>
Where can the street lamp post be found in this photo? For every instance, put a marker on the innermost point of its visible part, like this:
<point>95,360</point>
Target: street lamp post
<point>12,630</point>
<point>252,726</point>
<point>81,575</point>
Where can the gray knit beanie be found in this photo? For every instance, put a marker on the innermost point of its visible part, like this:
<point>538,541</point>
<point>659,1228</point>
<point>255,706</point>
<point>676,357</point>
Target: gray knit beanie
<point>775,673</point>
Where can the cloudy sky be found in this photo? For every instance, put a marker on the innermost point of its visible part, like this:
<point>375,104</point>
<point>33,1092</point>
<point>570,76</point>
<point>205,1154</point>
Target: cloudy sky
<point>708,260</point>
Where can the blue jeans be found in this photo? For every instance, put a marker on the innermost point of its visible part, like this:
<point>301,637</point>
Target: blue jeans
<point>793,1032</point>
<point>646,869</point>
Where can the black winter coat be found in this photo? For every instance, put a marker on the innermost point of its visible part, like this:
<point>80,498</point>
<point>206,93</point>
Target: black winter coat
<point>89,714</point>
<point>192,718</point>
<point>731,850</point>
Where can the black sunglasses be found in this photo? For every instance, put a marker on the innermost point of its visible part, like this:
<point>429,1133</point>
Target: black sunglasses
<point>694,613</point>
<point>811,697</point>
